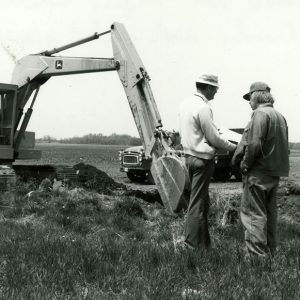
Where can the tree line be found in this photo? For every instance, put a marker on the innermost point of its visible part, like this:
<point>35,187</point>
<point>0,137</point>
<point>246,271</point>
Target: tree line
<point>294,145</point>
<point>98,138</point>
<point>113,139</point>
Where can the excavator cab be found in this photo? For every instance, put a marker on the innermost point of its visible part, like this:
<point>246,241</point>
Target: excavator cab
<point>14,145</point>
<point>8,101</point>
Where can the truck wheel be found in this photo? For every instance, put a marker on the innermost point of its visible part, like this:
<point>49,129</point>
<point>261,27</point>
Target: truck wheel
<point>238,176</point>
<point>222,174</point>
<point>137,177</point>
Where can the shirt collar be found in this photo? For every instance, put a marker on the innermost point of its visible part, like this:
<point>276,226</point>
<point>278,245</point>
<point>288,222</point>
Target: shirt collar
<point>198,94</point>
<point>262,105</point>
<point>265,105</point>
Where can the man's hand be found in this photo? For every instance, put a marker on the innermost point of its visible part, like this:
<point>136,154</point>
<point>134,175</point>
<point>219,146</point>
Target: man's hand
<point>238,155</point>
<point>244,167</point>
<point>244,170</point>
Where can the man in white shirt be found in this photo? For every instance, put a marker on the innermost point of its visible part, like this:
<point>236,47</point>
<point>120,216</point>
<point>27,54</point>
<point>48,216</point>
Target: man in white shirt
<point>200,139</point>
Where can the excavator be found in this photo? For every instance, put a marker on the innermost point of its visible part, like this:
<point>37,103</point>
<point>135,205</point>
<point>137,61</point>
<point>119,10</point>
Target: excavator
<point>32,71</point>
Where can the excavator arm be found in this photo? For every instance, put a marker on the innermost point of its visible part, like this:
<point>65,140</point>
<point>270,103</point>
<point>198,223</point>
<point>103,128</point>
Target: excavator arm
<point>32,71</point>
<point>167,168</point>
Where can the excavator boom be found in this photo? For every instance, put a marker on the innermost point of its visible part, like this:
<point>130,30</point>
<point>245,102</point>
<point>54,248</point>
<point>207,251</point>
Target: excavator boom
<point>168,169</point>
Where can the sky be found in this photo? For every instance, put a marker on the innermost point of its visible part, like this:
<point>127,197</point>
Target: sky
<point>240,41</point>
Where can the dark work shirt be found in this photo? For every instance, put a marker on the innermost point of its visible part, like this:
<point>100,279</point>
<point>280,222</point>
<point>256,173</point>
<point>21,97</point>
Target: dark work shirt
<point>266,143</point>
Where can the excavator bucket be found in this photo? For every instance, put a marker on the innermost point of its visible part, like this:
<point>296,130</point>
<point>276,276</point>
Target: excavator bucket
<point>168,169</point>
<point>170,176</point>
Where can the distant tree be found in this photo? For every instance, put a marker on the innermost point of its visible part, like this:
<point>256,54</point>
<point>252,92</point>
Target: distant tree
<point>47,139</point>
<point>294,145</point>
<point>135,141</point>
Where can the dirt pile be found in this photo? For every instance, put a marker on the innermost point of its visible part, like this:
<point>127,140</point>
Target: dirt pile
<point>90,177</point>
<point>82,176</point>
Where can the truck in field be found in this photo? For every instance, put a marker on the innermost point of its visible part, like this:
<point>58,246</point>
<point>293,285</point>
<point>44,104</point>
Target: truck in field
<point>136,164</point>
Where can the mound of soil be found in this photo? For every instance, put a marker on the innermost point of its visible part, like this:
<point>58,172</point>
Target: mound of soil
<point>84,176</point>
<point>90,177</point>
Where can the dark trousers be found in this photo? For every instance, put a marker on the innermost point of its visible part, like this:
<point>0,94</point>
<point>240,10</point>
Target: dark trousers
<point>196,226</point>
<point>259,213</point>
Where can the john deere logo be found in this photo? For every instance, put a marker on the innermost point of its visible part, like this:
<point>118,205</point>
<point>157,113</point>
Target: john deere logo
<point>58,64</point>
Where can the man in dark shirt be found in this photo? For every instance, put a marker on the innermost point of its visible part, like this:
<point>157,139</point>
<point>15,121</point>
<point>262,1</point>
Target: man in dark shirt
<point>263,157</point>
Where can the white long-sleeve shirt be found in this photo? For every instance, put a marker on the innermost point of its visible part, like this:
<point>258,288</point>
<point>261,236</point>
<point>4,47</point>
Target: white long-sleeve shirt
<point>199,134</point>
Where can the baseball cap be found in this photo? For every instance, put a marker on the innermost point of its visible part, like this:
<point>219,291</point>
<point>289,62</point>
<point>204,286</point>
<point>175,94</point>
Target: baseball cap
<point>257,86</point>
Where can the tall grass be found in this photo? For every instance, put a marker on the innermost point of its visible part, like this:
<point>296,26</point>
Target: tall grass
<point>76,244</point>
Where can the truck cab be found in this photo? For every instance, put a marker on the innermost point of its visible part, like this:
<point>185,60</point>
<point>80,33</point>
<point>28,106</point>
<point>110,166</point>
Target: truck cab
<point>136,165</point>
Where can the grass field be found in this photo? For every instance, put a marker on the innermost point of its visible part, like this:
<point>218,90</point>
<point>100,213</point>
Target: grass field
<point>73,243</point>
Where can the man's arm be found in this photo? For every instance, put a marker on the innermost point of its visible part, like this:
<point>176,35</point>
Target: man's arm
<point>211,132</point>
<point>239,152</point>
